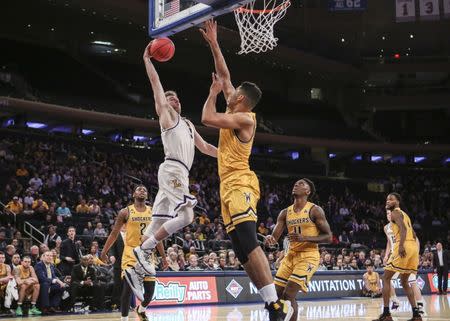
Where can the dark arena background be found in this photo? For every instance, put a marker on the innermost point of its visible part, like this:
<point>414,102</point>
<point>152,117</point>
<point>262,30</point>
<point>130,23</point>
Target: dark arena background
<point>355,97</point>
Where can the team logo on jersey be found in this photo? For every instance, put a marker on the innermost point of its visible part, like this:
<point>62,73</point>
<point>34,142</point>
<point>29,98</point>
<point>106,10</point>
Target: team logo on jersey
<point>310,267</point>
<point>247,197</point>
<point>176,183</point>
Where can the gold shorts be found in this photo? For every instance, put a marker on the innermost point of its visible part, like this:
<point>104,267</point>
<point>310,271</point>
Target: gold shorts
<point>298,267</point>
<point>129,260</point>
<point>407,264</point>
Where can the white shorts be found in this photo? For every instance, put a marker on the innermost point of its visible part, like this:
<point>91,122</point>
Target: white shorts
<point>173,193</point>
<point>411,278</point>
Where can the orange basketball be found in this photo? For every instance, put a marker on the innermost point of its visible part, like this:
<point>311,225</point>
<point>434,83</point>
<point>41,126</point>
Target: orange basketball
<point>162,49</point>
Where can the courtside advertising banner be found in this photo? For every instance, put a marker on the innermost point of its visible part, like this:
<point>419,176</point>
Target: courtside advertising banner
<point>185,290</point>
<point>433,279</point>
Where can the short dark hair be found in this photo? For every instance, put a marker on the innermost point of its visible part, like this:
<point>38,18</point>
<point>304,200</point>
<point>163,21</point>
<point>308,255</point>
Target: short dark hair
<point>1,252</point>
<point>139,185</point>
<point>70,227</point>
<point>397,196</point>
<point>26,257</point>
<point>252,92</point>
<point>311,185</point>
<point>170,93</point>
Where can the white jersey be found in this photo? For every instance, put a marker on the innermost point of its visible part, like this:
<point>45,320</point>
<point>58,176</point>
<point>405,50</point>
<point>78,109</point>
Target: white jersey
<point>390,235</point>
<point>178,142</point>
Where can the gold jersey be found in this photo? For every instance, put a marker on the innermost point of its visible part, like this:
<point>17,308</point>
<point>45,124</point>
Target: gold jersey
<point>24,273</point>
<point>300,222</point>
<point>372,280</point>
<point>136,225</point>
<point>396,230</point>
<point>233,154</point>
<point>3,270</point>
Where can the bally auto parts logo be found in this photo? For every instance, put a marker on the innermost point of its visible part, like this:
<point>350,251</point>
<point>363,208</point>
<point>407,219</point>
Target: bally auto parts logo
<point>234,288</point>
<point>420,282</point>
<point>173,291</point>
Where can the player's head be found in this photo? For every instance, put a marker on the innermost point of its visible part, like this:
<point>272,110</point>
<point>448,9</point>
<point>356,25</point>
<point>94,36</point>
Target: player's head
<point>246,95</point>
<point>393,201</point>
<point>388,215</point>
<point>172,99</point>
<point>140,193</point>
<point>304,187</point>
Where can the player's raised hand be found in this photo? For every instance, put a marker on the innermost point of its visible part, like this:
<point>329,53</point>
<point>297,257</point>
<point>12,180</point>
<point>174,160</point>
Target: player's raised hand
<point>270,240</point>
<point>146,56</point>
<point>210,31</point>
<point>216,85</point>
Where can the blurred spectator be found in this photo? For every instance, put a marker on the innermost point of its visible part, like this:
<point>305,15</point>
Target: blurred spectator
<point>262,229</point>
<point>34,255</point>
<point>94,208</point>
<point>5,275</point>
<point>82,208</point>
<point>193,263</point>
<point>343,238</point>
<point>100,231</point>
<point>361,260</point>
<point>35,182</point>
<point>372,284</point>
<point>63,210</point>
<point>70,253</point>
<point>441,263</point>
<point>10,251</point>
<point>363,226</point>
<point>51,238</point>
<point>28,199</point>
<point>40,206</point>
<point>15,261</point>
<point>187,242</point>
<point>15,206</point>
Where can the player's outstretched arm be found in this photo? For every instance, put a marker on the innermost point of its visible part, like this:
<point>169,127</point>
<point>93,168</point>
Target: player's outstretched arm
<point>210,35</point>
<point>210,116</point>
<point>278,229</point>
<point>161,104</point>
<point>112,237</point>
<point>318,217</point>
<point>203,146</point>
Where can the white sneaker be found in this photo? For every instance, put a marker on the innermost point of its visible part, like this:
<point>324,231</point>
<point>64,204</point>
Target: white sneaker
<point>143,260</point>
<point>136,282</point>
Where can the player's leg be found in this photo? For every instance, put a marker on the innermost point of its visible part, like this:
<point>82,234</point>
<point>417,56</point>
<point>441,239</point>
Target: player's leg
<point>35,288</point>
<point>412,280</point>
<point>387,277</point>
<point>125,300</point>
<point>410,294</point>
<point>22,293</point>
<point>149,289</point>
<point>395,302</point>
<point>289,294</point>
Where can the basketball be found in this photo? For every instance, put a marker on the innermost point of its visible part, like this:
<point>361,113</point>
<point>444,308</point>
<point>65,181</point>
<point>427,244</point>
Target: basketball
<point>162,49</point>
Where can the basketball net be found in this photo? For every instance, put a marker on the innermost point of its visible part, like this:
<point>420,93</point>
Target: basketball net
<point>256,25</point>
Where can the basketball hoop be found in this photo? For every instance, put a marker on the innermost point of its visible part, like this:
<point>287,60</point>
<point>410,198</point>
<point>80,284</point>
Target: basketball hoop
<point>256,25</point>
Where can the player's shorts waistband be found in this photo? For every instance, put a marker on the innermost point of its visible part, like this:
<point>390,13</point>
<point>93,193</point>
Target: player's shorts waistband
<point>177,161</point>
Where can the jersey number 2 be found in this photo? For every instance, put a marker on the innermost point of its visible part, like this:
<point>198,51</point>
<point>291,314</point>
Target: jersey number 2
<point>143,226</point>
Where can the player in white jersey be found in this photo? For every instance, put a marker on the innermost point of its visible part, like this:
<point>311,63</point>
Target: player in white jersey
<point>173,206</point>
<point>412,277</point>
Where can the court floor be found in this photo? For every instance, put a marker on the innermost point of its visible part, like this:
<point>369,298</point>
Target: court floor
<point>349,309</point>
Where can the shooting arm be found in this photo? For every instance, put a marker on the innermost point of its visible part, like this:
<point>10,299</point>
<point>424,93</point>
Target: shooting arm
<point>161,103</point>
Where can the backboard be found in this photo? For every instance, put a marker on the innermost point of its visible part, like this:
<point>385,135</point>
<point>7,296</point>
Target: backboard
<point>167,17</point>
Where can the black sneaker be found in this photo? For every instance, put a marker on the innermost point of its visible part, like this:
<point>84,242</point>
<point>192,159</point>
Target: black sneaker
<point>384,317</point>
<point>141,315</point>
<point>280,310</point>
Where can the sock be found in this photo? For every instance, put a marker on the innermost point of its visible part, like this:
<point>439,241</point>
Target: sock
<point>149,244</point>
<point>268,293</point>
<point>141,308</point>
<point>19,304</point>
<point>123,318</point>
<point>420,303</point>
<point>33,304</point>
<point>415,311</point>
<point>386,311</point>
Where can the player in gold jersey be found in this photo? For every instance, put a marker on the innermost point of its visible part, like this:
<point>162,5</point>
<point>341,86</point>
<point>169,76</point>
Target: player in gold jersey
<point>28,286</point>
<point>239,186</point>
<point>404,258</point>
<point>136,218</point>
<point>307,226</point>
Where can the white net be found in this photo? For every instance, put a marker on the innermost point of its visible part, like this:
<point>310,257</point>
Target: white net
<point>256,24</point>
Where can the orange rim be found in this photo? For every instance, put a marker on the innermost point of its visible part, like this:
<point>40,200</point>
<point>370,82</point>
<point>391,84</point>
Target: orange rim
<point>277,8</point>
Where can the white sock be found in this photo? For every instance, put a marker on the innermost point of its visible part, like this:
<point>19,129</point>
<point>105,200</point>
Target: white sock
<point>141,308</point>
<point>394,298</point>
<point>268,293</point>
<point>149,244</point>
<point>123,318</point>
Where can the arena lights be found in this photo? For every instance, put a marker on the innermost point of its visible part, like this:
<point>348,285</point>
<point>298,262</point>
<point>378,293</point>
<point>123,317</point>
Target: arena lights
<point>104,43</point>
<point>331,155</point>
<point>8,122</point>
<point>35,125</point>
<point>358,157</point>
<point>447,160</point>
<point>418,159</point>
<point>295,155</point>
<point>376,158</point>
<point>87,131</point>
<point>138,138</point>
